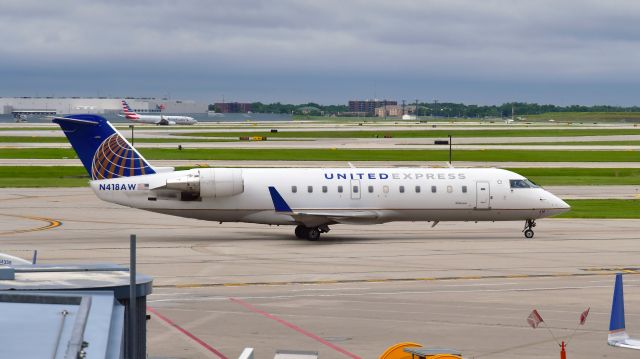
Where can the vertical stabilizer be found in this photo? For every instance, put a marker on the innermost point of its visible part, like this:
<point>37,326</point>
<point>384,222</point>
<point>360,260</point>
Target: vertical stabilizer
<point>104,152</point>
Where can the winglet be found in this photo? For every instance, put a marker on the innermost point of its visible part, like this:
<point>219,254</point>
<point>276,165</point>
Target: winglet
<point>278,202</point>
<point>617,307</point>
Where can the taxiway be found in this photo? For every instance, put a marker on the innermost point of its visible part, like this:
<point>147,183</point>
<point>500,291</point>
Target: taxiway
<point>362,288</point>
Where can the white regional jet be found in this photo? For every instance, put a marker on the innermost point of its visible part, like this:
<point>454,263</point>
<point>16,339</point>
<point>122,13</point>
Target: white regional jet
<point>129,114</point>
<point>310,199</point>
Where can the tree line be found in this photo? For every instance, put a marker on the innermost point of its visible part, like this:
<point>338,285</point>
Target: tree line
<point>441,109</point>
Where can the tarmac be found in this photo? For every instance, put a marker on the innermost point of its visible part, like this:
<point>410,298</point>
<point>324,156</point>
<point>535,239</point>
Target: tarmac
<point>360,289</point>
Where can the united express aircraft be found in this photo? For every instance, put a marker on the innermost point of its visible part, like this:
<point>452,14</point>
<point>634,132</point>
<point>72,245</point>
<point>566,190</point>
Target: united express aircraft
<point>130,114</point>
<point>309,199</point>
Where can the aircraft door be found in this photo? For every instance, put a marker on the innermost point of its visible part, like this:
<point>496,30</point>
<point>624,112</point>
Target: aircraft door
<point>483,195</point>
<point>355,189</point>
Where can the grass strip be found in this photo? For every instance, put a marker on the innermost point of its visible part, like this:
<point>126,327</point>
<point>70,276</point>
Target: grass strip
<point>435,133</point>
<point>603,208</point>
<point>43,176</point>
<point>581,176</point>
<point>572,143</point>
<point>344,155</point>
<point>586,116</point>
<point>51,139</point>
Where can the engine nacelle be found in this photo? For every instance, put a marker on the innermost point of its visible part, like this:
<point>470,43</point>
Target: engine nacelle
<point>209,182</point>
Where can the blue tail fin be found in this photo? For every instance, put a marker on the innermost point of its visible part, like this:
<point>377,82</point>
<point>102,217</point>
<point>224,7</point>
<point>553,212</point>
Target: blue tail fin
<point>617,307</point>
<point>102,150</point>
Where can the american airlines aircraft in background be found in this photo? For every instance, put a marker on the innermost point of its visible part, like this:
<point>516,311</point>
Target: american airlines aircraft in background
<point>310,199</point>
<point>129,114</point>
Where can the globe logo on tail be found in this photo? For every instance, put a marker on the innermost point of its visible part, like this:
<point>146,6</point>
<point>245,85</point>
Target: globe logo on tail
<point>116,158</point>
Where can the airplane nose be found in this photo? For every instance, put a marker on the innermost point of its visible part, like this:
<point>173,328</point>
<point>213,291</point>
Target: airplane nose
<point>561,205</point>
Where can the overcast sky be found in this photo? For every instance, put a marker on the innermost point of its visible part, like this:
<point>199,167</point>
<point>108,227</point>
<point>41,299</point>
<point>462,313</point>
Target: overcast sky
<point>327,51</point>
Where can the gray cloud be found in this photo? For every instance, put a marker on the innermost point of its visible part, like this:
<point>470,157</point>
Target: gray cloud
<point>323,50</point>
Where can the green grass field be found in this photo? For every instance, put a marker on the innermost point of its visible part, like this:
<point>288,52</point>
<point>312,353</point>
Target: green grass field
<point>43,176</point>
<point>603,208</point>
<point>345,155</point>
<point>581,176</point>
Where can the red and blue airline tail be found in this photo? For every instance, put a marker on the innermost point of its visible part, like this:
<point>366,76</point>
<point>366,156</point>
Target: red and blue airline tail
<point>103,151</point>
<point>128,112</point>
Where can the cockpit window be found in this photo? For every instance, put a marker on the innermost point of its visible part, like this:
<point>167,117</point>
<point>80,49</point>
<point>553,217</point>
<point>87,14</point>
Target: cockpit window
<point>532,184</point>
<point>522,183</point>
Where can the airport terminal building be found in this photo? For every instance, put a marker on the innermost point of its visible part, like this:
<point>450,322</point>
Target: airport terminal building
<point>96,105</point>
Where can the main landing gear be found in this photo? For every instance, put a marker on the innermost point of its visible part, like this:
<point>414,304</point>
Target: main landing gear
<point>310,233</point>
<point>528,228</point>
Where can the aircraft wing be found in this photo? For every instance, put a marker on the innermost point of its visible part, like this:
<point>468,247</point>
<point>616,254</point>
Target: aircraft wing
<point>622,340</point>
<point>626,344</point>
<point>316,218</point>
<point>350,217</point>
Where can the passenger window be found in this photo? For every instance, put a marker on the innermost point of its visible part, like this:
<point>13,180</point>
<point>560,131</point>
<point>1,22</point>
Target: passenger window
<point>433,189</point>
<point>294,189</point>
<point>339,189</point>
<point>355,189</point>
<point>324,189</point>
<point>370,189</point>
<point>385,189</point>
<point>417,189</point>
<point>401,189</point>
<point>310,189</point>
<point>449,189</point>
<point>464,189</point>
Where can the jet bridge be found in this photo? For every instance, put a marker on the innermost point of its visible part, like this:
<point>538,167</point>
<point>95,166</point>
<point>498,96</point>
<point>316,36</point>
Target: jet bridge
<point>69,311</point>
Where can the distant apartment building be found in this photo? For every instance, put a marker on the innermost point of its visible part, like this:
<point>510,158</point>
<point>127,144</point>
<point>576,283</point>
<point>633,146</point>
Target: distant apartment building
<point>368,107</point>
<point>233,107</point>
<point>394,111</point>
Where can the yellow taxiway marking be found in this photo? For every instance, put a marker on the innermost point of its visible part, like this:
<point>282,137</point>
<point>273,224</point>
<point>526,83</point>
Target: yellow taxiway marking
<point>51,223</point>
<point>587,272</point>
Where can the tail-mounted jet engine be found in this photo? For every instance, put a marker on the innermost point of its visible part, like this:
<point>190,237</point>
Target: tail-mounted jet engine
<point>208,183</point>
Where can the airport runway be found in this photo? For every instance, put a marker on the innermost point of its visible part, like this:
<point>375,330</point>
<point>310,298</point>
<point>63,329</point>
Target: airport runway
<point>359,290</point>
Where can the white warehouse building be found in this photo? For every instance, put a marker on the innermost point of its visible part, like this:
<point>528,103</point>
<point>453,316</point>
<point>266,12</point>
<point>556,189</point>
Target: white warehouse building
<point>96,105</point>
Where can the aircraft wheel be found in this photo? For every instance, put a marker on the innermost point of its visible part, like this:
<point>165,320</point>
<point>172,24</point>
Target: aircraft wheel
<point>528,233</point>
<point>313,234</point>
<point>301,232</point>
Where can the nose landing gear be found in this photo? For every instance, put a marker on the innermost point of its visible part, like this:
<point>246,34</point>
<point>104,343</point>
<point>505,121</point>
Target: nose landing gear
<point>528,228</point>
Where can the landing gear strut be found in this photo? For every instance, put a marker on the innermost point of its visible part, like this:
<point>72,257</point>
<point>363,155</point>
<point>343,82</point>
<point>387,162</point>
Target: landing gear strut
<point>528,228</point>
<point>310,233</point>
